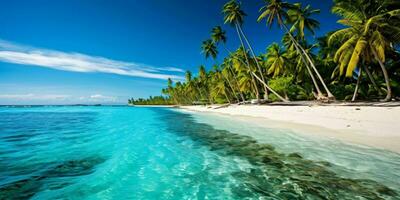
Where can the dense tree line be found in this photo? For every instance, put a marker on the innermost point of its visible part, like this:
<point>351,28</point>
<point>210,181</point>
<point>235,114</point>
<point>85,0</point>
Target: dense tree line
<point>359,61</point>
<point>156,100</point>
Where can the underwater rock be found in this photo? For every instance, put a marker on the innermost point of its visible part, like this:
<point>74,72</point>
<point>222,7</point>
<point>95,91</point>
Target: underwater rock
<point>23,189</point>
<point>276,175</point>
<point>26,188</point>
<point>295,155</point>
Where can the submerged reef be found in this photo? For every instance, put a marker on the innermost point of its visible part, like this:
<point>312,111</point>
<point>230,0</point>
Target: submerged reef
<point>28,187</point>
<point>276,175</point>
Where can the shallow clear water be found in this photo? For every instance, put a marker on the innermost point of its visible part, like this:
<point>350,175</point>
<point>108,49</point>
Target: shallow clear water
<point>160,153</point>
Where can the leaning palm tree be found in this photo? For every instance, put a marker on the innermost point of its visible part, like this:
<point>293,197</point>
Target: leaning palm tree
<point>232,11</point>
<point>302,21</point>
<point>235,17</point>
<point>228,71</point>
<point>219,36</point>
<point>218,85</point>
<point>301,67</point>
<point>276,10</point>
<point>244,69</point>
<point>371,31</point>
<point>210,50</point>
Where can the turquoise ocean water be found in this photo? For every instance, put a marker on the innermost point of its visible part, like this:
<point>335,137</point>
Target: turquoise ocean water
<point>163,153</point>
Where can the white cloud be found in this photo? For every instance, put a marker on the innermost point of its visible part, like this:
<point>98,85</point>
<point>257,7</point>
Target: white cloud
<point>34,96</point>
<point>171,69</point>
<point>76,62</point>
<point>61,98</point>
<point>102,98</point>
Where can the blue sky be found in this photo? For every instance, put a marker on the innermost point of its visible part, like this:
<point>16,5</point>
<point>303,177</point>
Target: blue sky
<point>103,51</point>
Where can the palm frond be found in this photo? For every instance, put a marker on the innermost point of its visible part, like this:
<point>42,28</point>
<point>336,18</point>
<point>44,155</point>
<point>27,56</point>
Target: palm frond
<point>355,57</point>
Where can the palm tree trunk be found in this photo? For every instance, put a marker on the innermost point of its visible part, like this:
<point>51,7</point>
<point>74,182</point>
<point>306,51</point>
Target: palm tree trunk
<point>279,96</point>
<point>386,75</point>
<point>248,63</point>
<point>230,86</point>
<point>357,86</point>
<point>372,79</point>
<point>255,59</point>
<point>300,51</point>
<point>234,75</point>
<point>198,89</point>
<point>237,84</point>
<point>227,98</point>
<point>330,95</point>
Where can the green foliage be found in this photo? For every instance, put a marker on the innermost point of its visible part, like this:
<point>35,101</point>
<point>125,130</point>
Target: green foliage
<point>156,100</point>
<point>281,84</point>
<point>284,85</point>
<point>296,68</point>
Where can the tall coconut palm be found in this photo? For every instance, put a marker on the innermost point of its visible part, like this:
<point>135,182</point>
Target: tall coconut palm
<point>235,17</point>
<point>246,81</point>
<point>218,85</point>
<point>170,90</point>
<point>209,49</point>
<point>228,70</point>
<point>301,68</point>
<point>276,59</point>
<point>190,86</point>
<point>301,19</point>
<point>219,36</point>
<point>203,82</point>
<point>276,10</point>
<point>188,76</point>
<point>371,30</point>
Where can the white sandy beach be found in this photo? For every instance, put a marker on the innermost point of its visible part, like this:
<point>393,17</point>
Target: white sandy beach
<point>366,125</point>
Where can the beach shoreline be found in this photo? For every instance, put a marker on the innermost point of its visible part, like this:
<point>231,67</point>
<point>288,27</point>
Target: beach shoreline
<point>372,126</point>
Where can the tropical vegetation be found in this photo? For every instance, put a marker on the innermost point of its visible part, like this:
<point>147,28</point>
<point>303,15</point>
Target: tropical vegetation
<point>360,61</point>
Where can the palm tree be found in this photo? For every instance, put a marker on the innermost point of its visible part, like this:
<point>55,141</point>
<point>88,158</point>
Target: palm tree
<point>219,36</point>
<point>301,19</point>
<point>225,75</point>
<point>190,86</point>
<point>235,17</point>
<point>371,31</point>
<point>246,81</point>
<point>218,85</point>
<point>276,59</point>
<point>276,9</point>
<point>170,90</point>
<point>210,49</point>
<point>300,66</point>
<point>228,71</point>
<point>202,82</point>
